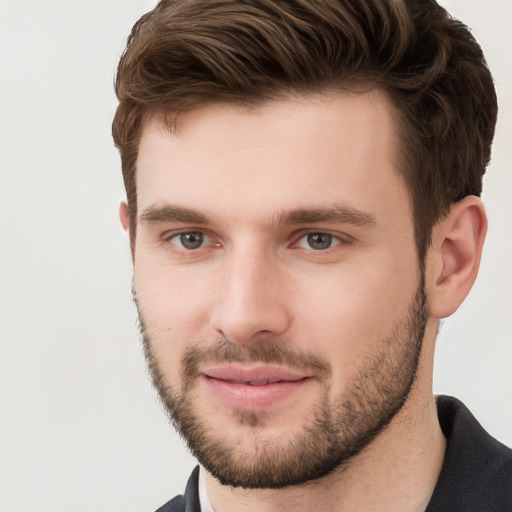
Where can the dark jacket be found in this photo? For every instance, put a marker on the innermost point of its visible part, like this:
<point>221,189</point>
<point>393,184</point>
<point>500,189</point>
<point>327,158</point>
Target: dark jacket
<point>476,474</point>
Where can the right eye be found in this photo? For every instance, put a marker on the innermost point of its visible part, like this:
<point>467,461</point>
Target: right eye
<point>189,240</point>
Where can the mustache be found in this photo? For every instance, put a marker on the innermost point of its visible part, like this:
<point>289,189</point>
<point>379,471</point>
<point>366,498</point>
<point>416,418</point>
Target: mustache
<point>267,351</point>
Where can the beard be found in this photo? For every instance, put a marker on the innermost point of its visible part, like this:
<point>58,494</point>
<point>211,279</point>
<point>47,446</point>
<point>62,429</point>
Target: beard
<point>338,428</point>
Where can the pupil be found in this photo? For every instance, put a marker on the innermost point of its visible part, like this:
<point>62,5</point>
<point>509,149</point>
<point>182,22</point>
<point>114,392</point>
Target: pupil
<point>191,240</point>
<point>319,241</point>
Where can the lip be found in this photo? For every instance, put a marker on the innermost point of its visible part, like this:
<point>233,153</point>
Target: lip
<point>255,388</point>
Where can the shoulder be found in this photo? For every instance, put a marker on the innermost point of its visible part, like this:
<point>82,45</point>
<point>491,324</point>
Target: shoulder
<point>177,504</point>
<point>477,470</point>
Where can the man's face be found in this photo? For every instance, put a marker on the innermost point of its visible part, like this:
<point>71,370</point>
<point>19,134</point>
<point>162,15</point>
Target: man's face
<point>277,282</point>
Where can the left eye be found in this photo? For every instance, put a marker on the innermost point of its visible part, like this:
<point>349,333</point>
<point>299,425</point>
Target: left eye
<point>318,241</point>
<point>190,240</point>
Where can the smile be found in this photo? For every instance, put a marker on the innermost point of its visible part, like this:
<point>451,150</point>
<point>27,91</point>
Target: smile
<point>252,389</point>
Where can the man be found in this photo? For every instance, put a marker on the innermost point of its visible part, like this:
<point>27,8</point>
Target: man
<point>302,183</point>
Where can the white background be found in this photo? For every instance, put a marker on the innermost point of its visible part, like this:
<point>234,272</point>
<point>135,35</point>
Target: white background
<point>80,427</point>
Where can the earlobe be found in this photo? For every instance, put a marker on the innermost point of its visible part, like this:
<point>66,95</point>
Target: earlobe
<point>124,216</point>
<point>454,258</point>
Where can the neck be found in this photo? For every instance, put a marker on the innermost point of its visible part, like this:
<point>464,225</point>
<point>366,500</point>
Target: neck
<point>397,472</point>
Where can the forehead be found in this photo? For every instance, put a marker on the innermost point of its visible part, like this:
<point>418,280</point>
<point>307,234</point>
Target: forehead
<point>284,154</point>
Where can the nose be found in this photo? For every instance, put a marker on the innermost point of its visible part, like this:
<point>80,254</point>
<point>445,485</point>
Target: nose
<point>251,300</point>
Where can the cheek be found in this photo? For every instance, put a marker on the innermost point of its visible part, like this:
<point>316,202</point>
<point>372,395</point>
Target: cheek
<point>173,308</point>
<point>171,296</point>
<point>348,316</point>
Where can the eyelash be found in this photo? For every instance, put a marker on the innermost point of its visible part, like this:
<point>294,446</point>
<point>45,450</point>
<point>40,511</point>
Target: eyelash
<point>333,240</point>
<point>177,236</point>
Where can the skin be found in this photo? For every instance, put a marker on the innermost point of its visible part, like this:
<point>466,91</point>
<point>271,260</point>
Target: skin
<point>256,278</point>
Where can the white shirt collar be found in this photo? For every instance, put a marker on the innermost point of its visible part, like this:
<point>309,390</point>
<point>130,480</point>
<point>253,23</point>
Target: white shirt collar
<point>204,501</point>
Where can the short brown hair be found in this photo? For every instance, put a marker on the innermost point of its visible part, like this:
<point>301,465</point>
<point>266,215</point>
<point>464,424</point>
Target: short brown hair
<point>186,53</point>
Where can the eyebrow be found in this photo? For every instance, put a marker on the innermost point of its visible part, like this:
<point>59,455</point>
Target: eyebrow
<point>171,213</point>
<point>335,213</point>
<point>155,214</point>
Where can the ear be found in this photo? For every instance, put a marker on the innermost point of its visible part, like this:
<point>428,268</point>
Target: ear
<point>454,257</point>
<point>124,217</point>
